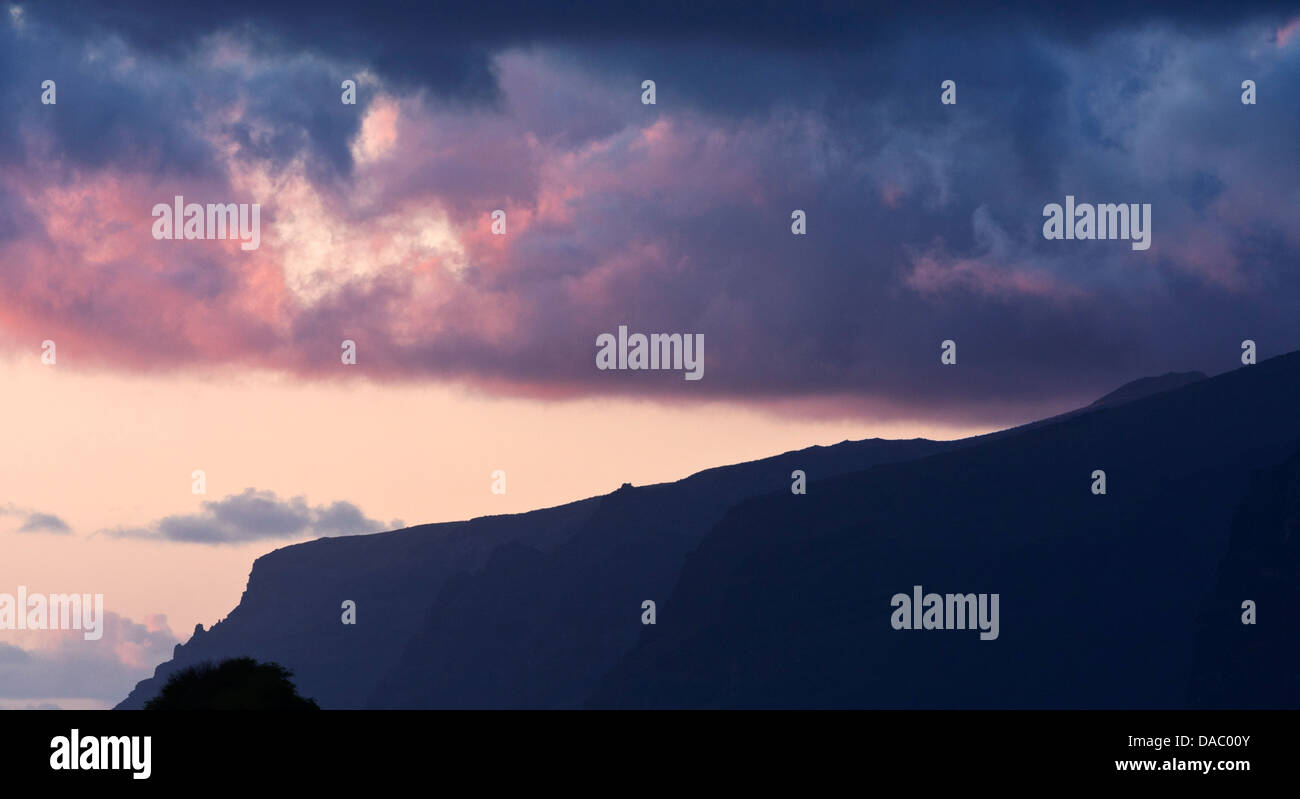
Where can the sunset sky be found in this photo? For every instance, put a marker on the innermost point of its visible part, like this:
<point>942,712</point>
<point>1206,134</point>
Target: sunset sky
<point>476,352</point>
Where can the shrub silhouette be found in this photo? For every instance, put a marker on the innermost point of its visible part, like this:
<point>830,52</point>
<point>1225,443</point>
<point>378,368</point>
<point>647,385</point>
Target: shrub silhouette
<point>234,684</point>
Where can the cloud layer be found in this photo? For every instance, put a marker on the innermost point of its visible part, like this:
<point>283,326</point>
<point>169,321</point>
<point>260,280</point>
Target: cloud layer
<point>924,221</point>
<point>44,664</point>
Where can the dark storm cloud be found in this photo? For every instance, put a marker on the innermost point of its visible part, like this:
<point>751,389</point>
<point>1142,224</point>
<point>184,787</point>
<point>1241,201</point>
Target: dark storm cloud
<point>860,305</point>
<point>122,108</point>
<point>102,118</point>
<point>924,220</point>
<point>401,34</point>
<point>295,109</point>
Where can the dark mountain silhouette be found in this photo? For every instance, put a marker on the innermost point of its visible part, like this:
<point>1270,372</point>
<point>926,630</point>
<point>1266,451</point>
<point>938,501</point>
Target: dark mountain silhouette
<point>1147,386</point>
<point>1129,392</point>
<point>1256,665</point>
<point>786,603</point>
<point>290,612</point>
<point>235,684</point>
<point>766,598</point>
<point>538,629</point>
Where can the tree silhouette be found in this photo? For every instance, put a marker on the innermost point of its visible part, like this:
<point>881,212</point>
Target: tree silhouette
<point>234,684</point>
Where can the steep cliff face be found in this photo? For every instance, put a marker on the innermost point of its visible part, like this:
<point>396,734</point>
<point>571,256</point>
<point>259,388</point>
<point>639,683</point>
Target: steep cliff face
<point>290,612</point>
<point>768,598</point>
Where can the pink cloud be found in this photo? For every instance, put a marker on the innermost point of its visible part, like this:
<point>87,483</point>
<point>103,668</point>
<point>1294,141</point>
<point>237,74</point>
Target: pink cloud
<point>1287,32</point>
<point>936,274</point>
<point>62,663</point>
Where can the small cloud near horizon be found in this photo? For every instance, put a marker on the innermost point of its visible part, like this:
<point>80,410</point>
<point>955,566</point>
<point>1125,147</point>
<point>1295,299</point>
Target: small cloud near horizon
<point>49,669</point>
<point>36,521</point>
<point>256,516</point>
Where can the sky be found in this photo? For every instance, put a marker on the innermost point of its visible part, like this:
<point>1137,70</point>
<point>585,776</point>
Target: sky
<point>477,351</point>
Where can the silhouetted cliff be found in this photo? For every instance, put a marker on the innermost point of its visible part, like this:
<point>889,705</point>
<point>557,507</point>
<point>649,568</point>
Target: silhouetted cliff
<point>769,598</point>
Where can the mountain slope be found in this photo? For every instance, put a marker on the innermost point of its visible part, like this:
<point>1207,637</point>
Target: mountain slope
<point>1147,386</point>
<point>290,612</point>
<point>1256,665</point>
<point>787,601</point>
<point>768,598</point>
<point>537,629</point>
